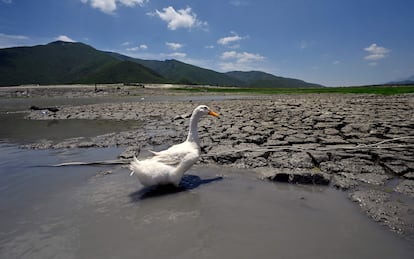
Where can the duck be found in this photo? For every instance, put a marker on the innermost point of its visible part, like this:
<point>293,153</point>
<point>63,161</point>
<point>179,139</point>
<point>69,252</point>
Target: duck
<point>168,166</point>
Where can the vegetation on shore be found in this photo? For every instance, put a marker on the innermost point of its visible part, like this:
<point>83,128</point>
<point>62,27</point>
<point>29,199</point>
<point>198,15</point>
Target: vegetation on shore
<point>375,89</point>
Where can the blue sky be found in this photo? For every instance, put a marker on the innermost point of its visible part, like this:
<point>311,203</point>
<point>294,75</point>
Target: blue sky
<point>331,42</point>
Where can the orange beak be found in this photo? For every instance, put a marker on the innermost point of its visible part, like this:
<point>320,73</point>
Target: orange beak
<point>212,113</point>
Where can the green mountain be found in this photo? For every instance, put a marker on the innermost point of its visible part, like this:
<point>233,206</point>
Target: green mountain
<point>123,72</point>
<point>189,74</point>
<point>55,63</point>
<point>181,73</point>
<point>66,63</point>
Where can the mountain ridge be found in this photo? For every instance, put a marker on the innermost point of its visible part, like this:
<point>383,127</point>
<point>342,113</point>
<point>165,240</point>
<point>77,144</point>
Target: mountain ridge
<point>407,81</point>
<point>62,62</point>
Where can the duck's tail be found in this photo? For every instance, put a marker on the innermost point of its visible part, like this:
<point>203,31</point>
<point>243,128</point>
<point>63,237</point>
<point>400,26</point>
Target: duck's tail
<point>133,166</point>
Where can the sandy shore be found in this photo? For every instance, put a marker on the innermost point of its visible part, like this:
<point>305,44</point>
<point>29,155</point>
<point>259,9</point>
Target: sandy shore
<point>363,144</point>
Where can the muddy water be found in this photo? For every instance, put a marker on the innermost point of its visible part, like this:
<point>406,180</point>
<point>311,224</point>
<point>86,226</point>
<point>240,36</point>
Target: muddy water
<point>102,212</point>
<point>14,128</point>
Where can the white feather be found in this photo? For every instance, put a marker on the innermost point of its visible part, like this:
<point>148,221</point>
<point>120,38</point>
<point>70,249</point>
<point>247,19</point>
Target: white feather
<point>168,166</point>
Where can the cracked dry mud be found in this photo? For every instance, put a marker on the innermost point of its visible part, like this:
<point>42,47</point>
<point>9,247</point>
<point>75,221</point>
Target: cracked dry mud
<point>360,143</point>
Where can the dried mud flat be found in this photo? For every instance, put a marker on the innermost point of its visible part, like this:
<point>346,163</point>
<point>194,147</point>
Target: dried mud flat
<point>363,144</point>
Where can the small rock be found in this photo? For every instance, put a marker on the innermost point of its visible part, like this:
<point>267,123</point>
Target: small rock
<point>331,131</point>
<point>129,152</point>
<point>409,176</point>
<point>318,156</point>
<point>406,187</point>
<point>343,183</point>
<point>398,169</point>
<point>228,158</point>
<point>256,139</point>
<point>371,178</point>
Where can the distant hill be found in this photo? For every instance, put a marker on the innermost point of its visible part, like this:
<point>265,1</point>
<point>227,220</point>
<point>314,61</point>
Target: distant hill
<point>406,81</point>
<point>261,79</point>
<point>182,73</point>
<point>66,63</point>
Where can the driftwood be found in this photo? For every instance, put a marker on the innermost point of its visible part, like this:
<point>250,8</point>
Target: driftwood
<point>105,162</point>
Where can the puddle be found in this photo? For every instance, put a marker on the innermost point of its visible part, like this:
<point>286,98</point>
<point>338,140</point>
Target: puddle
<point>73,212</point>
<point>14,128</point>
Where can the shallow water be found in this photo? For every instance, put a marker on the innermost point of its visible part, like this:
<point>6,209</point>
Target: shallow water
<point>21,104</point>
<point>83,212</point>
<point>14,128</point>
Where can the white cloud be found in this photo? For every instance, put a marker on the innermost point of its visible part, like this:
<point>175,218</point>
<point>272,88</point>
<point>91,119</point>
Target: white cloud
<point>238,3</point>
<point>137,48</point>
<point>182,18</point>
<point>131,3</point>
<point>143,46</point>
<point>209,47</point>
<point>230,39</point>
<point>7,1</point>
<point>241,57</point>
<point>14,37</point>
<point>64,38</point>
<point>375,53</point>
<point>109,6</point>
<point>173,45</point>
<point>7,40</point>
<point>336,62</point>
<point>177,55</point>
<point>240,60</point>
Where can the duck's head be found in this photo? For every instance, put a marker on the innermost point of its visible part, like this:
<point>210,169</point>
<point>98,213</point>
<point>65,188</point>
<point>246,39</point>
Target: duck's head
<point>205,110</point>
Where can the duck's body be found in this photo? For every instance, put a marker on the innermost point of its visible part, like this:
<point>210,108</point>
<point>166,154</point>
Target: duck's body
<point>168,166</point>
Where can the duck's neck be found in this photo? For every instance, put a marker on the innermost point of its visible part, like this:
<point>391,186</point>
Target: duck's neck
<point>193,131</point>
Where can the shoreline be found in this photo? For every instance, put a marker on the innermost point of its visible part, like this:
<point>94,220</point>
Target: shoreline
<point>363,144</point>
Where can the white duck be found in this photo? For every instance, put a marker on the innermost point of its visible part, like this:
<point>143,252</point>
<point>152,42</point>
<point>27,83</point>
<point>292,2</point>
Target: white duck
<point>168,166</point>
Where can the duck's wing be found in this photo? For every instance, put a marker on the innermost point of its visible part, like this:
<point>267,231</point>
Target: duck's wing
<point>176,154</point>
<point>171,158</point>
